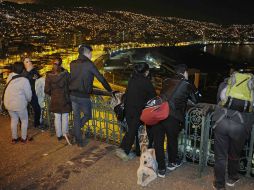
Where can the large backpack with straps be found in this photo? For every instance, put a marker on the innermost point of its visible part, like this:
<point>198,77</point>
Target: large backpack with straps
<point>239,92</point>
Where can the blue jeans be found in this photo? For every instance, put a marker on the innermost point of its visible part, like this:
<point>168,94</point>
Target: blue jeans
<point>15,117</point>
<point>80,105</point>
<point>61,124</point>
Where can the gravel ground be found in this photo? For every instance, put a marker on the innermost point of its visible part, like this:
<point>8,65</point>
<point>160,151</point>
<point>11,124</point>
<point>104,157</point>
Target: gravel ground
<point>45,163</point>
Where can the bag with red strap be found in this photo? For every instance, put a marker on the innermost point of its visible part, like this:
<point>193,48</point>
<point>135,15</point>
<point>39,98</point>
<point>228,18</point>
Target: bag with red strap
<point>155,111</point>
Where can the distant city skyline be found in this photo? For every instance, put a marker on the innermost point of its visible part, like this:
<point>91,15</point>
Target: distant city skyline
<point>218,11</point>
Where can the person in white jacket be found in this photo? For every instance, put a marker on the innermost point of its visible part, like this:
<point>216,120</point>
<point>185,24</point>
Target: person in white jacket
<point>16,97</point>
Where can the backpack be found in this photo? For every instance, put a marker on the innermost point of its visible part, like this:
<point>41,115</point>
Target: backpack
<point>239,92</point>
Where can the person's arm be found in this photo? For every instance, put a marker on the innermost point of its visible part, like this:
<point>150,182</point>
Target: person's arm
<point>194,94</point>
<point>151,93</point>
<point>101,78</point>
<point>28,91</point>
<point>47,88</point>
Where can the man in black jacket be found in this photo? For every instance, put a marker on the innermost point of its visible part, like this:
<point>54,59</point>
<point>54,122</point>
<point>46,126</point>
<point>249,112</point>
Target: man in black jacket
<point>32,74</point>
<point>82,73</point>
<point>177,91</point>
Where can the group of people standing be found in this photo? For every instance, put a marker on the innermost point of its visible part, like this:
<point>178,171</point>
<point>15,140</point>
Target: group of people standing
<point>71,92</point>
<point>68,92</point>
<point>177,91</point>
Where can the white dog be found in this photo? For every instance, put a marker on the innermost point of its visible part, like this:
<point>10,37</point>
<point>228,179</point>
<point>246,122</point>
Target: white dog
<point>147,170</point>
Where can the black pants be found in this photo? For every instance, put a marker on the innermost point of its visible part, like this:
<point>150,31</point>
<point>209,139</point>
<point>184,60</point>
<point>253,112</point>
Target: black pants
<point>229,139</point>
<point>133,123</point>
<point>170,127</point>
<point>37,110</point>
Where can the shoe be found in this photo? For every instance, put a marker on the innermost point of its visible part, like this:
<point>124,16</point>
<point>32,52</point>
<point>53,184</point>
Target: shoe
<point>171,166</point>
<point>24,141</point>
<point>177,163</point>
<point>162,173</point>
<point>120,153</point>
<point>14,141</point>
<point>232,182</point>
<point>218,188</point>
<point>60,138</point>
<point>80,144</point>
<point>131,155</point>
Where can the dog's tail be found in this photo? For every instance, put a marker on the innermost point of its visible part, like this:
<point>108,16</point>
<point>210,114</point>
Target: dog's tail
<point>67,139</point>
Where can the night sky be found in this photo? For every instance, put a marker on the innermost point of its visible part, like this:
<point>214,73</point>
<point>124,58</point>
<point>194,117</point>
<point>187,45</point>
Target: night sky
<point>218,11</point>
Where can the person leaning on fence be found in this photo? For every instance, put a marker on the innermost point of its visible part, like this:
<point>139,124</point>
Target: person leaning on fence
<point>32,74</point>
<point>57,87</point>
<point>233,119</point>
<point>139,90</point>
<point>177,90</point>
<point>16,97</point>
<point>82,73</point>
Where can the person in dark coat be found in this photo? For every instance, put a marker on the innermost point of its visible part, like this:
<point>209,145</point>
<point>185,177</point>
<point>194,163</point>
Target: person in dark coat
<point>83,71</point>
<point>177,90</point>
<point>32,74</point>
<point>57,86</point>
<point>231,130</point>
<point>139,90</point>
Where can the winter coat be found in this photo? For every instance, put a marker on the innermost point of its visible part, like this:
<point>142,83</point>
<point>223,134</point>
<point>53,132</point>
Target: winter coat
<point>39,89</point>
<point>177,91</point>
<point>82,72</point>
<point>32,76</point>
<point>139,90</point>
<point>57,86</point>
<point>17,94</point>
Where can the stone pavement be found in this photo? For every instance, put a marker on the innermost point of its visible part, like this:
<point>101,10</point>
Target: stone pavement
<point>45,163</point>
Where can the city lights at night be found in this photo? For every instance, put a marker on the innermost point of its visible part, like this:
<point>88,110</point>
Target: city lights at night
<point>83,85</point>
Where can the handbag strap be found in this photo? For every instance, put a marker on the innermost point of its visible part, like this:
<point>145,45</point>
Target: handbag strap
<point>174,91</point>
<point>14,77</point>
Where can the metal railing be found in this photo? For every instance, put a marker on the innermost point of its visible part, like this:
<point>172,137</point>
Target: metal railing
<point>196,143</point>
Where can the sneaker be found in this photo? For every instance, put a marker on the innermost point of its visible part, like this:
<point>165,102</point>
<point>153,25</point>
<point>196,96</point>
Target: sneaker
<point>171,167</point>
<point>232,182</point>
<point>14,141</point>
<point>218,188</point>
<point>121,154</point>
<point>162,173</point>
<point>131,155</point>
<point>177,163</point>
<point>24,141</point>
<point>60,138</point>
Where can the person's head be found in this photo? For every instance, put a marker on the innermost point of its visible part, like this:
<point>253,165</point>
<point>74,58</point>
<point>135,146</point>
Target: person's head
<point>28,63</point>
<point>142,68</point>
<point>18,67</point>
<point>182,69</point>
<point>85,50</point>
<point>57,65</point>
<point>58,61</point>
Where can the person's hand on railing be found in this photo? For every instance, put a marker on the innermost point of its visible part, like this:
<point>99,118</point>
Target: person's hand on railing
<point>113,94</point>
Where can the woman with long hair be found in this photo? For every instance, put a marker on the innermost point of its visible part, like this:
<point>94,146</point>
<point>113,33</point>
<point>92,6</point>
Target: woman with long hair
<point>57,87</point>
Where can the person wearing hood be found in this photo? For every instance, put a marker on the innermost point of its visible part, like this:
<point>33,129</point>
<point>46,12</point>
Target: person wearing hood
<point>57,87</point>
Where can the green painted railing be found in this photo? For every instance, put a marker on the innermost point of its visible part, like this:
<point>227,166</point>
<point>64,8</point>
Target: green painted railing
<point>196,142</point>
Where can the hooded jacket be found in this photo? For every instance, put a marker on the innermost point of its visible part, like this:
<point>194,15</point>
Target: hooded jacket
<point>82,72</point>
<point>17,94</point>
<point>57,86</point>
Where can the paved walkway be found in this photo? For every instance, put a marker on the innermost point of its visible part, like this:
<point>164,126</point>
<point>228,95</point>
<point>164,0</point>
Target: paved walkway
<point>45,163</point>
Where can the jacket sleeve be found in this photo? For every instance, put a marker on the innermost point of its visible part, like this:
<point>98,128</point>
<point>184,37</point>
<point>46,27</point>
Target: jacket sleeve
<point>101,78</point>
<point>47,88</point>
<point>151,93</point>
<point>194,94</point>
<point>28,91</point>
<point>222,86</point>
